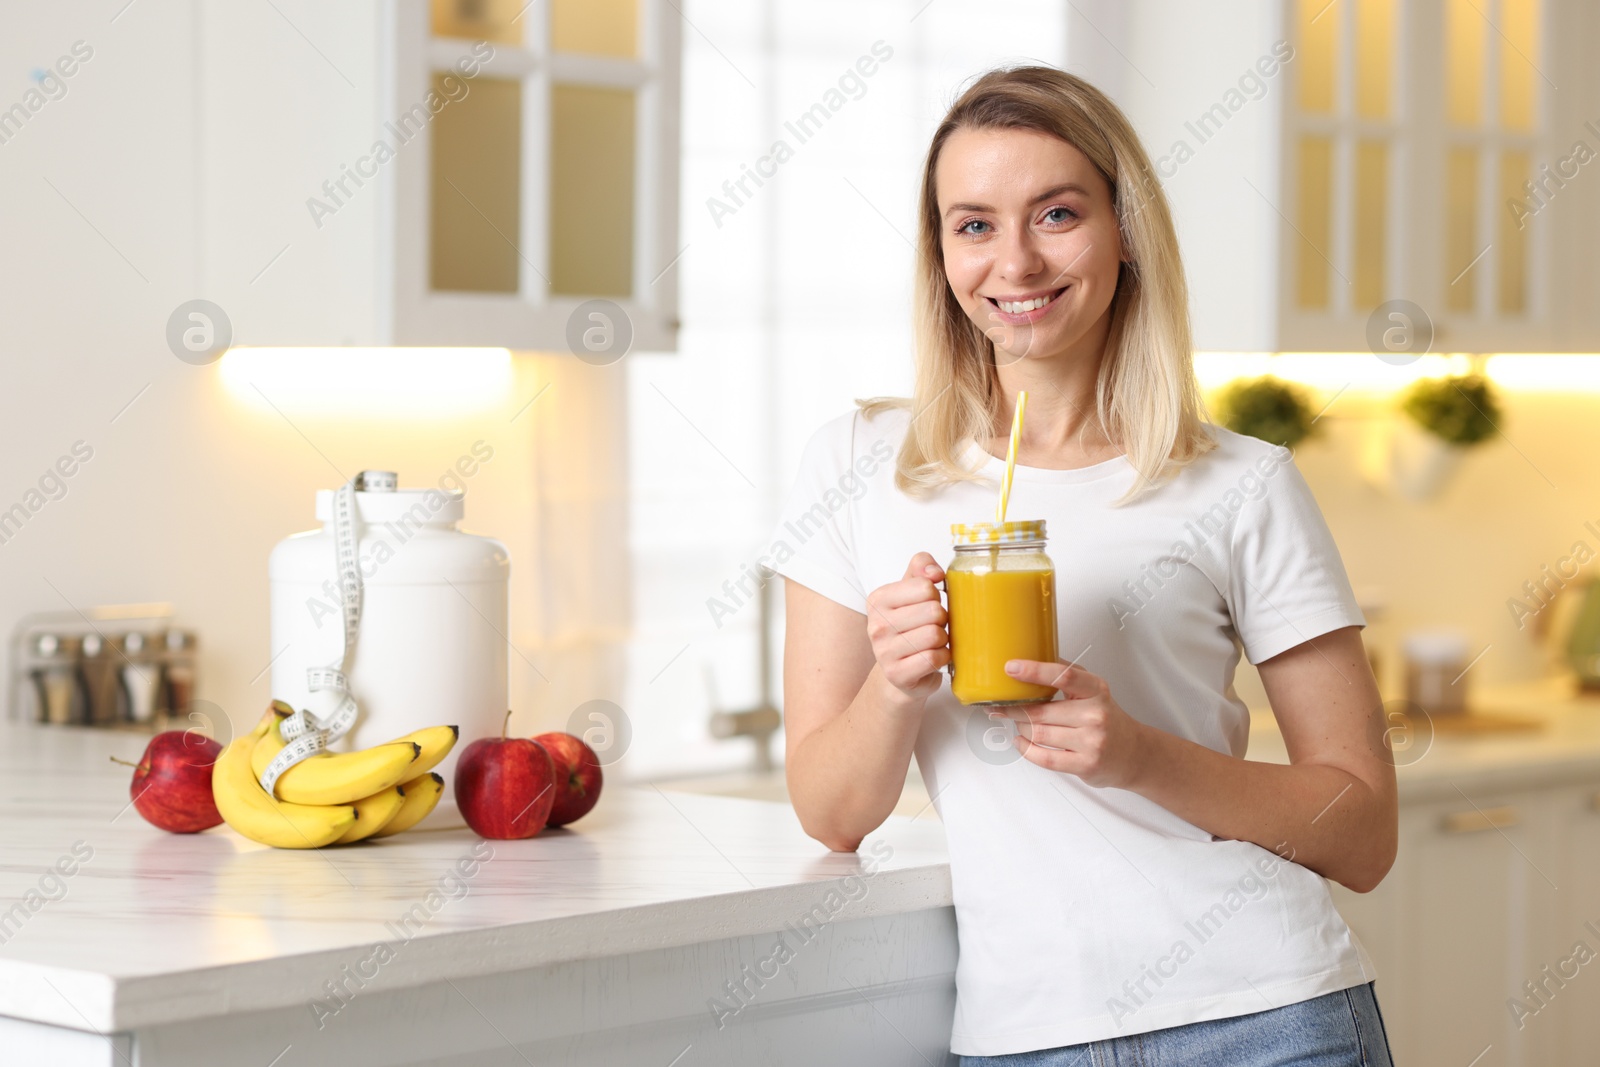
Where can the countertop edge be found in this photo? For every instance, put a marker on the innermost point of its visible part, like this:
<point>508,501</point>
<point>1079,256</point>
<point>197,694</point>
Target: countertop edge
<point>58,996</point>
<point>105,1003</point>
<point>1544,772</point>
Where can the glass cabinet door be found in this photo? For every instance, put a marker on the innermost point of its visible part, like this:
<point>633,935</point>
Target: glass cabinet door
<point>595,27</point>
<point>476,193</point>
<point>1492,96</point>
<point>573,103</point>
<point>1346,114</point>
<point>593,108</point>
<point>591,190</point>
<point>498,21</point>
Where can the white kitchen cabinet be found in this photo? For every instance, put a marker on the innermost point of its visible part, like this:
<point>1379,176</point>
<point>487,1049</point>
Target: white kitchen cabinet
<point>1468,891</point>
<point>1569,1020</point>
<point>465,172</point>
<point>1325,157</point>
<point>1488,889</point>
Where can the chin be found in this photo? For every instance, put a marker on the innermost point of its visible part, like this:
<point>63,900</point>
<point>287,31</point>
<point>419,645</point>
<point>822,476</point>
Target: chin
<point>1040,345</point>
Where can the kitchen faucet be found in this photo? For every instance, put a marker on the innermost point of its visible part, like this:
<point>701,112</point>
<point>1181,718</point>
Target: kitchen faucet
<point>758,723</point>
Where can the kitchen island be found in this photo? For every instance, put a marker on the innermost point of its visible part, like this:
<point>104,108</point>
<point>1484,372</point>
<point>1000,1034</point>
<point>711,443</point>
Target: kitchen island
<point>662,928</point>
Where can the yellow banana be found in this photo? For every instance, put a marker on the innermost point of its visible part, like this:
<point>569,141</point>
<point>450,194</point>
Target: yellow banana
<point>336,777</point>
<point>267,746</point>
<point>373,813</point>
<point>422,796</point>
<point>251,811</point>
<point>261,754</point>
<point>436,742</point>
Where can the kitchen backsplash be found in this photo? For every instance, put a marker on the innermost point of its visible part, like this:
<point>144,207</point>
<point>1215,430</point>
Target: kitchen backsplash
<point>1518,503</point>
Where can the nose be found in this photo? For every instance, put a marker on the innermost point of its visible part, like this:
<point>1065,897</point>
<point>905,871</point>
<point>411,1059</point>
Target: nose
<point>1019,257</point>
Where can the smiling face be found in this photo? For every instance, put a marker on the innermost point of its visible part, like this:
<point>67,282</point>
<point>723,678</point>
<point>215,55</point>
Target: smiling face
<point>1031,243</point>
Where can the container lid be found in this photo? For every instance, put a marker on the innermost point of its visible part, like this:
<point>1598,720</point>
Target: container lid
<point>1016,531</point>
<point>380,499</point>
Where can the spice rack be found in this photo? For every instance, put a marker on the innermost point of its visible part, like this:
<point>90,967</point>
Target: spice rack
<point>124,666</point>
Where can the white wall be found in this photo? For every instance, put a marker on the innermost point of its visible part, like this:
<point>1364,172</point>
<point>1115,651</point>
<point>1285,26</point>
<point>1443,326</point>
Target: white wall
<point>190,486</point>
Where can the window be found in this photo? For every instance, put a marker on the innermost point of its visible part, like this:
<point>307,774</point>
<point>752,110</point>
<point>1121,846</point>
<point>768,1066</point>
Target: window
<point>796,298</point>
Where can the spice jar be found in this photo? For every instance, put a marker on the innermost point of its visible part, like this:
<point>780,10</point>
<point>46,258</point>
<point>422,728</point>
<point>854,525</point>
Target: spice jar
<point>1436,668</point>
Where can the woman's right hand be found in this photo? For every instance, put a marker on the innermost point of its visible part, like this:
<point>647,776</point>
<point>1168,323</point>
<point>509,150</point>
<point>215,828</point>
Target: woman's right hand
<point>906,623</point>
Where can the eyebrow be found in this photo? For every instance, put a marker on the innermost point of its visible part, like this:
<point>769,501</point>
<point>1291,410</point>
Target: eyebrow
<point>1065,187</point>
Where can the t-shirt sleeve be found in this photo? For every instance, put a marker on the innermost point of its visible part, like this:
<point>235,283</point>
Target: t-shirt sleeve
<point>813,542</point>
<point>1287,583</point>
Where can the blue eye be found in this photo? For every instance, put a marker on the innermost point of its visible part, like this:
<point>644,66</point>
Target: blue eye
<point>965,227</point>
<point>1065,213</point>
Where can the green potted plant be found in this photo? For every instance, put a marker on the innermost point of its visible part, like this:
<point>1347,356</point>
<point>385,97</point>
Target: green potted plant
<point>1460,410</point>
<point>1442,418</point>
<point>1268,408</point>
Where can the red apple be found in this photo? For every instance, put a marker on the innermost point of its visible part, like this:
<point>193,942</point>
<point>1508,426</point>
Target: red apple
<point>577,776</point>
<point>171,784</point>
<point>505,786</point>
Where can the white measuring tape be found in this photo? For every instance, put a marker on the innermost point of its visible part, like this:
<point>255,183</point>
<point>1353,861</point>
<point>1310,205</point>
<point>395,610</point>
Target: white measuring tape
<point>304,733</point>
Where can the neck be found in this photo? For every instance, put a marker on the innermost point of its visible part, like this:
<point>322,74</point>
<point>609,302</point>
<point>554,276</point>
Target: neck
<point>1061,423</point>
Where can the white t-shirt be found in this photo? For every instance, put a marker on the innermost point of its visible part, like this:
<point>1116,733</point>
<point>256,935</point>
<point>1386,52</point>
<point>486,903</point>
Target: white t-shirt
<point>1085,913</point>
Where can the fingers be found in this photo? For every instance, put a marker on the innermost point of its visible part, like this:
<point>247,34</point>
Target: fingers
<point>883,620</point>
<point>1053,758</point>
<point>918,669</point>
<point>921,613</point>
<point>1074,682</point>
<point>913,588</point>
<point>890,644</point>
<point>1055,715</point>
<point>1074,736</point>
<point>923,565</point>
<point>906,624</point>
<point>1049,735</point>
<point>924,637</point>
<point>906,591</point>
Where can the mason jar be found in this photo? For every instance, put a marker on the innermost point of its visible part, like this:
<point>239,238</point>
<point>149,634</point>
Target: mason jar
<point>1001,588</point>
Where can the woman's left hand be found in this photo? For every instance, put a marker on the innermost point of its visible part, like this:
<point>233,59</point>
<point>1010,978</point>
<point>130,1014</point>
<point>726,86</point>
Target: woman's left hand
<point>1087,734</point>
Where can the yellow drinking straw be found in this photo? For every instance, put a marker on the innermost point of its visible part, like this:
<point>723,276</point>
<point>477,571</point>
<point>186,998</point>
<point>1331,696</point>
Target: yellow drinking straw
<point>1011,456</point>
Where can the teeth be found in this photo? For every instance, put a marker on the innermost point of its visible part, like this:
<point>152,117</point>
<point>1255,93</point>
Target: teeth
<point>1017,307</point>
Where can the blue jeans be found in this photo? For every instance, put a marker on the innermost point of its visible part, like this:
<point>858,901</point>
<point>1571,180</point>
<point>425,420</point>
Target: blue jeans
<point>1343,1029</point>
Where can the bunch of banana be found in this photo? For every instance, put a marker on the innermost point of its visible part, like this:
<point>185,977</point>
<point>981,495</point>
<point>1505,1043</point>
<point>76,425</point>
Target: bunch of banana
<point>329,798</point>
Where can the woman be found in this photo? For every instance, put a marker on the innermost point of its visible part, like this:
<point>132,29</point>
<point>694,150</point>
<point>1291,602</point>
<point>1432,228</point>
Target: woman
<point>1127,887</point>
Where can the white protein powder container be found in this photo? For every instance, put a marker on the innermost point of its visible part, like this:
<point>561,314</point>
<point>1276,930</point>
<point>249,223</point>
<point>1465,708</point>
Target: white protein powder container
<point>431,648</point>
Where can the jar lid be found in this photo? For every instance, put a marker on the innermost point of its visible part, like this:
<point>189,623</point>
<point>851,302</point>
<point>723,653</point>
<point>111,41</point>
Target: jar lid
<point>380,499</point>
<point>997,533</point>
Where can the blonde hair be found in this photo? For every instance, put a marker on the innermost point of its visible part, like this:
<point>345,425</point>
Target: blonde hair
<point>1146,396</point>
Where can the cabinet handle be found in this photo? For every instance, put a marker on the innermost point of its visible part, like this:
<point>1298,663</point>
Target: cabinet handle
<point>1471,822</point>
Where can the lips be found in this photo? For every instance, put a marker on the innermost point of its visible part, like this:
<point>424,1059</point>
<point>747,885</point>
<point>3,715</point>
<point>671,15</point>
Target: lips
<point>1026,309</point>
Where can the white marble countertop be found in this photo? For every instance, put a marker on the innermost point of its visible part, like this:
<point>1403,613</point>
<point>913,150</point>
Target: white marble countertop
<point>1563,747</point>
<point>157,928</point>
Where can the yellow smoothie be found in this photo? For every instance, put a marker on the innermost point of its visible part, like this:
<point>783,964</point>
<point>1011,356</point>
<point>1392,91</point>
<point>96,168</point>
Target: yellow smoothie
<point>995,616</point>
